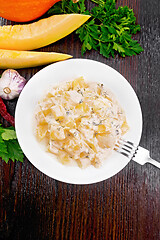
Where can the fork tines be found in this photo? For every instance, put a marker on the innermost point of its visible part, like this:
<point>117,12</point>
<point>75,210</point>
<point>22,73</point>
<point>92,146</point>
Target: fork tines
<point>126,148</point>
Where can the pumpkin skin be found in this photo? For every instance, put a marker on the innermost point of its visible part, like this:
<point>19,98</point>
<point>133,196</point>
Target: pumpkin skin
<point>24,10</point>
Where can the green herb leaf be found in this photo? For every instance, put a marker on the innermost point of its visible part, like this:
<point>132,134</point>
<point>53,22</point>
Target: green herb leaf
<point>118,47</point>
<point>3,147</point>
<point>109,30</point>
<point>14,150</point>
<point>9,134</point>
<point>9,146</point>
<point>4,156</point>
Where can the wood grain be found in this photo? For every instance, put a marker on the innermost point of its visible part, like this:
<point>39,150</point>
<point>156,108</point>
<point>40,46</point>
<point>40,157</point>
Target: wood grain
<point>124,207</point>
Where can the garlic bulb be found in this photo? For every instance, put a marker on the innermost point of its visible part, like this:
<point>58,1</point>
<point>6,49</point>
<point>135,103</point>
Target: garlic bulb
<point>11,84</point>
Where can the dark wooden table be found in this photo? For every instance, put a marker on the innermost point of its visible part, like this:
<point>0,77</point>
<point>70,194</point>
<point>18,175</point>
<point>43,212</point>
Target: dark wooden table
<point>126,206</point>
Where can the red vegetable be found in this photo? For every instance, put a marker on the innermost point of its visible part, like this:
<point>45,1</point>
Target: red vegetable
<point>5,114</point>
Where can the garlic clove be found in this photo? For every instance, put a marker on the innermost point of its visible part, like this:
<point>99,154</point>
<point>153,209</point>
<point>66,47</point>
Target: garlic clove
<point>11,84</point>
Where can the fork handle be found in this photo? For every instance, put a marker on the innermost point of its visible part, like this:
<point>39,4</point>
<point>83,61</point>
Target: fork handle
<point>153,162</point>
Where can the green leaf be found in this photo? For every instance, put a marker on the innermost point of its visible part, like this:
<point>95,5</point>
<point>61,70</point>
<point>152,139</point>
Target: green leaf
<point>136,47</point>
<point>105,49</point>
<point>82,6</point>
<point>14,151</point>
<point>118,47</point>
<point>82,31</point>
<point>3,147</point>
<point>4,156</point>
<point>67,6</point>
<point>109,30</point>
<point>1,130</point>
<point>8,134</point>
<point>9,146</point>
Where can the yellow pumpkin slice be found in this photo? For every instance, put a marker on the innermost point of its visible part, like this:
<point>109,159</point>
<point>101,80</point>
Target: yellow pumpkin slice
<point>25,59</point>
<point>41,33</point>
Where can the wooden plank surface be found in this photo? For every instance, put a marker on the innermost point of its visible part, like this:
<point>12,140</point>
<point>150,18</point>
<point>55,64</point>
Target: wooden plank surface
<point>124,207</point>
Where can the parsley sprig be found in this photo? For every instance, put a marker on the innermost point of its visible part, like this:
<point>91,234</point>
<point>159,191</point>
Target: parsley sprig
<point>109,30</point>
<point>9,146</point>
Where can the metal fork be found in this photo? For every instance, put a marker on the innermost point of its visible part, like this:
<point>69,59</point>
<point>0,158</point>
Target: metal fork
<point>136,153</point>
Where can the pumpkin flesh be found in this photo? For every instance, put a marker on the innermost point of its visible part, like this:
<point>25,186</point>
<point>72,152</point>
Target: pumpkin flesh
<point>40,33</point>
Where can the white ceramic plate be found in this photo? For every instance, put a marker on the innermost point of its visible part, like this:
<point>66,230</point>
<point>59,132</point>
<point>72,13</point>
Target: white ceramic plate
<point>53,75</point>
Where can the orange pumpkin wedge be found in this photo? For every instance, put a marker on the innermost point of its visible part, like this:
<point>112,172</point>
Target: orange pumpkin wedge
<point>40,33</point>
<point>24,10</point>
<point>25,59</point>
